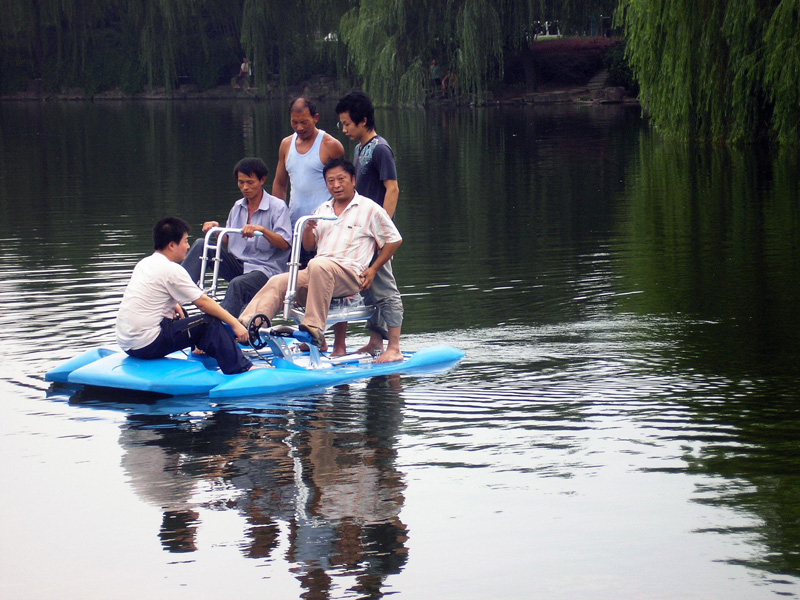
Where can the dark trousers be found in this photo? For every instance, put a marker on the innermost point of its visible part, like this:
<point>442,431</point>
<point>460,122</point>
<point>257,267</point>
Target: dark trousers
<point>241,287</point>
<point>202,331</point>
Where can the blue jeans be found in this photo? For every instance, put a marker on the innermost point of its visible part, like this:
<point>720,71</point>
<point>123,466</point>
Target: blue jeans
<point>202,331</point>
<point>241,286</point>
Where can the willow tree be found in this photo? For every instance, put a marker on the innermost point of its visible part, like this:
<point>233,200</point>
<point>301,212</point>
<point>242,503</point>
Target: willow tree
<point>98,44</point>
<point>290,39</point>
<point>49,38</point>
<point>718,69</point>
<point>390,43</point>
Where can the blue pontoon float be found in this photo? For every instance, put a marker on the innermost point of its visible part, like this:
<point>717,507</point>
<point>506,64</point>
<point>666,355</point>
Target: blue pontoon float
<point>296,363</point>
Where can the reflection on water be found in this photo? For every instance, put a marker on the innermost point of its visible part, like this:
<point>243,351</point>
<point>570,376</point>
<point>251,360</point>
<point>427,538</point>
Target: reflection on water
<point>316,482</point>
<point>624,424</point>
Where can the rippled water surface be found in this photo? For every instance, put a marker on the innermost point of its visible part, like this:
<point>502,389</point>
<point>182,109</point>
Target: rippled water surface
<point>624,424</point>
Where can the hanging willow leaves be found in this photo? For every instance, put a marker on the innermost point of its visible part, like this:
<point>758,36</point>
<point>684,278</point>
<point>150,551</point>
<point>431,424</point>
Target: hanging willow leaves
<point>391,42</point>
<point>719,69</point>
<point>782,70</point>
<point>386,45</point>
<point>98,44</point>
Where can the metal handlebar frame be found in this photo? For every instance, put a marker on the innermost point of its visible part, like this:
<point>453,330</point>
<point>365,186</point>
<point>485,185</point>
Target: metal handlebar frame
<point>294,261</point>
<point>344,312</point>
<point>208,244</point>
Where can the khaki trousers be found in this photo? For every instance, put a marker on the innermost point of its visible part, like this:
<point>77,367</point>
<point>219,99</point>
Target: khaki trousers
<point>317,284</point>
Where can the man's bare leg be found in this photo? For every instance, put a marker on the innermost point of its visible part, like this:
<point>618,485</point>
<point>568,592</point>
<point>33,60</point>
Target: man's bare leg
<point>392,352</point>
<point>339,339</point>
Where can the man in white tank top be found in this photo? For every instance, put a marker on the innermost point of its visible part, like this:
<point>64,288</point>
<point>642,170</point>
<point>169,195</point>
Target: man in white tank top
<point>300,161</point>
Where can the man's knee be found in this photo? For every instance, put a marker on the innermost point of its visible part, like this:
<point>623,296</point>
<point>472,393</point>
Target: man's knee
<point>319,268</point>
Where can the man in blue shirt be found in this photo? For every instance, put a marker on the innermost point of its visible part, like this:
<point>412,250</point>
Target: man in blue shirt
<point>248,261</point>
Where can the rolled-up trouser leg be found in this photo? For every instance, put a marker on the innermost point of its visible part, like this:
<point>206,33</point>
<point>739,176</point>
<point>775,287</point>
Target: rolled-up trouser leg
<point>385,296</point>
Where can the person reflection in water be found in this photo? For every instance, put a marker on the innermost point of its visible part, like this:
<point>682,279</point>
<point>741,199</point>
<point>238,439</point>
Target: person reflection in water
<point>178,530</point>
<point>327,478</point>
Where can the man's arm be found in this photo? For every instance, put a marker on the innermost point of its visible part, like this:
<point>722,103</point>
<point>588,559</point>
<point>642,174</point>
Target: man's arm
<point>211,308</point>
<point>309,239</point>
<point>389,248</point>
<point>281,182</point>
<point>329,148</point>
<point>392,194</point>
<point>272,237</point>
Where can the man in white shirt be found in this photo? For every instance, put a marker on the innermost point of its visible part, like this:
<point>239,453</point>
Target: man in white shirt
<point>151,322</point>
<point>345,247</point>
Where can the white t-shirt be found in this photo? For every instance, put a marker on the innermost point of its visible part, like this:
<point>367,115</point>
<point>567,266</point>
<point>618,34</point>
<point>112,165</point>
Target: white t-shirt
<point>156,285</point>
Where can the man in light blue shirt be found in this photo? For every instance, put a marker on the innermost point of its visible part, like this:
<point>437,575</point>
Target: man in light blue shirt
<point>249,261</point>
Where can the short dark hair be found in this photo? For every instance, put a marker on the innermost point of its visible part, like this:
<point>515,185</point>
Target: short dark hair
<point>251,166</point>
<point>303,103</point>
<point>359,106</point>
<point>169,229</point>
<point>339,161</point>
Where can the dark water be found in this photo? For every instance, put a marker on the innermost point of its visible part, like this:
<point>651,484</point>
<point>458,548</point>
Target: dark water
<point>625,423</point>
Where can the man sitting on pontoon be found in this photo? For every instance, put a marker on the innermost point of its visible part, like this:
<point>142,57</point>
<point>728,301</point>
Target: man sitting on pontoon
<point>345,247</point>
<point>249,260</point>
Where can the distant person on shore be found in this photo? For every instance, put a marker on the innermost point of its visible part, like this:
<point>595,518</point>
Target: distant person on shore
<point>376,178</point>
<point>345,261</point>
<point>248,261</point>
<point>151,322</point>
<point>245,73</point>
<point>436,81</point>
<point>449,84</point>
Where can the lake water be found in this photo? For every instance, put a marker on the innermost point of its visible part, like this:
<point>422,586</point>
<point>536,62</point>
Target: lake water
<point>624,425</point>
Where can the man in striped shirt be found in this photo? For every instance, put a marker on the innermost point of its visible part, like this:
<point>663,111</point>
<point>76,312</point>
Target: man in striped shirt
<point>345,247</point>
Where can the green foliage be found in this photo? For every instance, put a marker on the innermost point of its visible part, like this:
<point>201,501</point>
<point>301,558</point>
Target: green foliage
<point>717,69</point>
<point>619,71</point>
<point>385,45</point>
<point>782,70</point>
<point>386,39</point>
<point>101,44</point>
<point>287,39</point>
<point>570,60</point>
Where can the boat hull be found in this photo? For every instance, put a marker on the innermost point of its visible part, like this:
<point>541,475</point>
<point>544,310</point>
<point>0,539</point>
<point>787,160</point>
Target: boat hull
<point>179,374</point>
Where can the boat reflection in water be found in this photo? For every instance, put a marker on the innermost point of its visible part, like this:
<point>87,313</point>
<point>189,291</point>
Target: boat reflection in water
<point>313,478</point>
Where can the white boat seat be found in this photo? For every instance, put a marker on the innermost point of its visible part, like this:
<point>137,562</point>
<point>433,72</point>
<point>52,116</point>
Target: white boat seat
<point>346,309</point>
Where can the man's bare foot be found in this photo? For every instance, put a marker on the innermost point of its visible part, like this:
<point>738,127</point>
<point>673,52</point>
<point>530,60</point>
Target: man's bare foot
<point>389,356</point>
<point>371,349</point>
<point>198,352</point>
<point>338,351</point>
<point>304,347</point>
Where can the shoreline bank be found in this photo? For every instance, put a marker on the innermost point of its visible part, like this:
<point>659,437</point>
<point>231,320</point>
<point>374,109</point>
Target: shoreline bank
<point>594,92</point>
